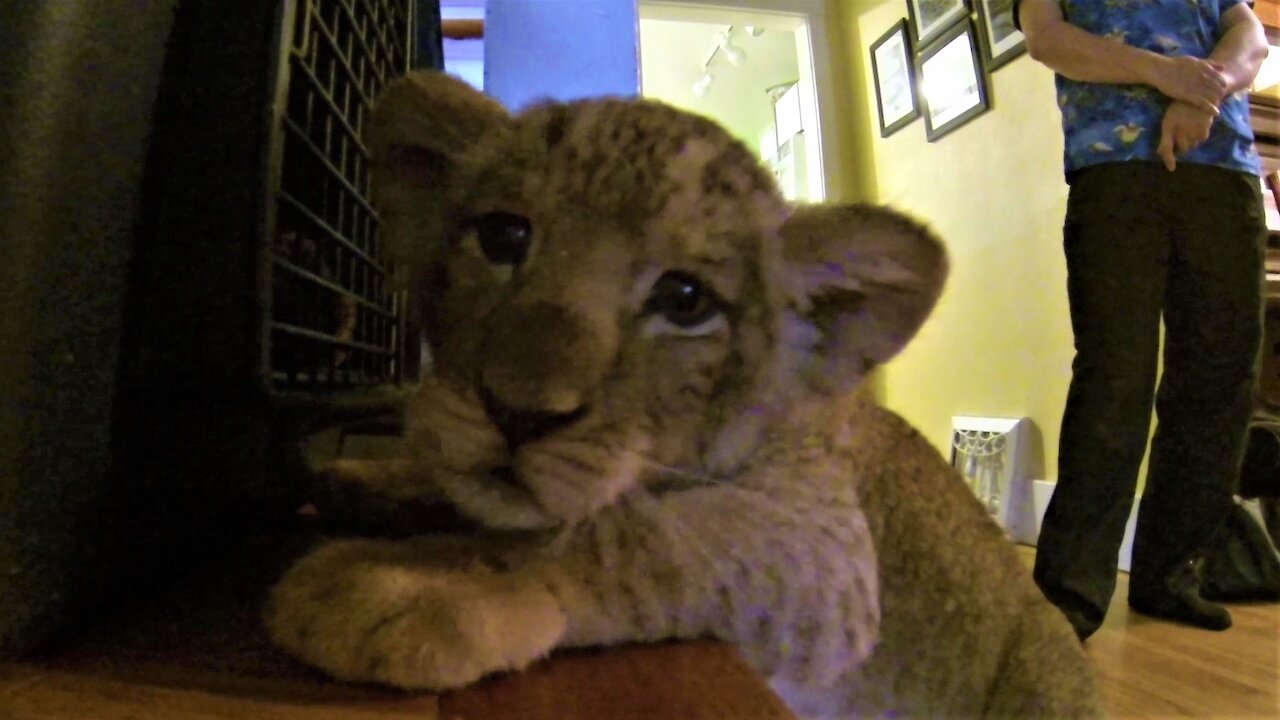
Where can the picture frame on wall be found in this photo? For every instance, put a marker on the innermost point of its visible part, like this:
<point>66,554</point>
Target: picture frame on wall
<point>893,73</point>
<point>1001,41</point>
<point>931,18</point>
<point>953,84</point>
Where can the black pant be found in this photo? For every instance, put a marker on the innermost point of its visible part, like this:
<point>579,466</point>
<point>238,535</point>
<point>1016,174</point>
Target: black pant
<point>1142,243</point>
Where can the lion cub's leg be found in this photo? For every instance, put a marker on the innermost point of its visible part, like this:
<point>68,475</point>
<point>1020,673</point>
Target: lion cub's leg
<point>398,480</point>
<point>419,614</point>
<point>1043,675</point>
<point>393,498</point>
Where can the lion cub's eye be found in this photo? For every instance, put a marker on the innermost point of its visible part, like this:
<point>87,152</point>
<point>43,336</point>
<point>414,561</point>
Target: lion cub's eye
<point>683,300</point>
<point>504,237</point>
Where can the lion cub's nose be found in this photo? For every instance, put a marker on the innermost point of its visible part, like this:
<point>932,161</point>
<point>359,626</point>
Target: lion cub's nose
<point>521,426</point>
<point>539,363</point>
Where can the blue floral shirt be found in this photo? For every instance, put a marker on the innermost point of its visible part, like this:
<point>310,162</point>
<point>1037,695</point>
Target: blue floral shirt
<point>1120,123</point>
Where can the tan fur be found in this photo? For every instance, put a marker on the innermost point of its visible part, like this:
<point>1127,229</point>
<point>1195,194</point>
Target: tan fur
<point>648,474</point>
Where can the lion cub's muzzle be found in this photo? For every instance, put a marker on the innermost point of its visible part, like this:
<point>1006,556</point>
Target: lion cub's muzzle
<point>528,444</point>
<point>519,426</point>
<point>541,363</point>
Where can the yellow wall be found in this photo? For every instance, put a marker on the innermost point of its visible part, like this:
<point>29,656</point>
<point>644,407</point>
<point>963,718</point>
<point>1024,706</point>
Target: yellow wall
<point>999,342</point>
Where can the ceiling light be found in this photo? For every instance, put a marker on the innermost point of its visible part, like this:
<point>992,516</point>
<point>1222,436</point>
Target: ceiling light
<point>753,31</point>
<point>734,54</point>
<point>702,85</point>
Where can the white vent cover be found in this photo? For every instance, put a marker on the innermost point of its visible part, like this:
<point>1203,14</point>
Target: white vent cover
<point>993,456</point>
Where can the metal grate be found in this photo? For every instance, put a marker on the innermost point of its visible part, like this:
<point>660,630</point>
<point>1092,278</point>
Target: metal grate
<point>993,456</point>
<point>335,321</point>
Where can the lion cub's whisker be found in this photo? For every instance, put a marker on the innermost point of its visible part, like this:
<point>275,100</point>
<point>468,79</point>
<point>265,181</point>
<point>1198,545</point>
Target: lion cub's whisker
<point>679,473</point>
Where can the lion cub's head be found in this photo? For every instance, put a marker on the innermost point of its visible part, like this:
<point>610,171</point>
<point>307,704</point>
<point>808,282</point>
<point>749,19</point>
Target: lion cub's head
<point>614,291</point>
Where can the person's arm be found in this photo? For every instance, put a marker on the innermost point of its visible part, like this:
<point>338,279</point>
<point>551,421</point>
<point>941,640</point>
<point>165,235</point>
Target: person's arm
<point>1080,55</point>
<point>1241,47</point>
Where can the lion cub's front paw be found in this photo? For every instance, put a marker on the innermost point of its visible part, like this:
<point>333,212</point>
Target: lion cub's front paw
<point>380,611</point>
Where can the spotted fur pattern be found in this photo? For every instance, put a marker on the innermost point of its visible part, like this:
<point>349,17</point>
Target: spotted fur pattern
<point>644,384</point>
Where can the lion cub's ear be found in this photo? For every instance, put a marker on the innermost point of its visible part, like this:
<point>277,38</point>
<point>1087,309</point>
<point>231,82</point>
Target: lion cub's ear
<point>420,125</point>
<point>867,279</point>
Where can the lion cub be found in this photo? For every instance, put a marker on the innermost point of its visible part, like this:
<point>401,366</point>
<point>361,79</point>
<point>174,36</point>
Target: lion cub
<point>643,371</point>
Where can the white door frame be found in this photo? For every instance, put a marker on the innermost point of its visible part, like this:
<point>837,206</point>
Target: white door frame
<point>813,48</point>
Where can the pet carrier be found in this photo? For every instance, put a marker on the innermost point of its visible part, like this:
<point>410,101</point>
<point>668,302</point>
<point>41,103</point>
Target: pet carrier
<point>262,283</point>
<point>334,321</point>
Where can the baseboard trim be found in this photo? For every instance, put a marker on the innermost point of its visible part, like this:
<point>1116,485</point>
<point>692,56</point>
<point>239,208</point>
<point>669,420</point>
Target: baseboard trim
<point>1028,499</point>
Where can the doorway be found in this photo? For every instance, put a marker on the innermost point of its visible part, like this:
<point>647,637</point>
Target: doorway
<point>750,67</point>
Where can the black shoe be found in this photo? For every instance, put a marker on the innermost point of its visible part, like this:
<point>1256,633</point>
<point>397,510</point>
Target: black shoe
<point>1240,594</point>
<point>1178,598</point>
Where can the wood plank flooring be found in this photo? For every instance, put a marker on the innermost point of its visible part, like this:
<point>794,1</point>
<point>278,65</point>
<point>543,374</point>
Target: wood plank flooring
<point>171,668</point>
<point>1153,669</point>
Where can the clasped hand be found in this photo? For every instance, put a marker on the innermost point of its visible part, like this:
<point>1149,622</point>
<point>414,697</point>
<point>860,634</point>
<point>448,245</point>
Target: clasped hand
<point>1184,127</point>
<point>1196,81</point>
<point>1196,86</point>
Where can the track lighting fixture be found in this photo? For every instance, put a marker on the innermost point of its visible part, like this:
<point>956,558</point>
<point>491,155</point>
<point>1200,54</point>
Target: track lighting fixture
<point>734,54</point>
<point>702,85</point>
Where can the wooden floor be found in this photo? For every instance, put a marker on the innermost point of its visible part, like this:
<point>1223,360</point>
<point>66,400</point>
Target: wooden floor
<point>1154,669</point>
<point>159,664</point>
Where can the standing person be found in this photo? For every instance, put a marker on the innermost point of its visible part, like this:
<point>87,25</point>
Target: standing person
<point>1164,219</point>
